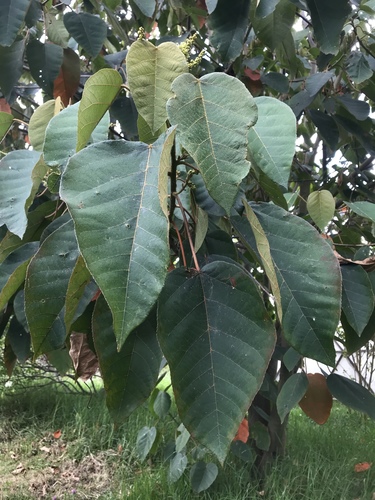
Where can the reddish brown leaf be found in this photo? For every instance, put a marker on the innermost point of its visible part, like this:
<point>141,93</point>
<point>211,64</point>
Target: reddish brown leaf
<point>67,81</point>
<point>4,106</point>
<point>317,402</point>
<point>57,434</point>
<point>84,360</point>
<point>362,466</point>
<point>243,431</point>
<point>253,75</point>
<point>10,358</point>
<point>96,296</point>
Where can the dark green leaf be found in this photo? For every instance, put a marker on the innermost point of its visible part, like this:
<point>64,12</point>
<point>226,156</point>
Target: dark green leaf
<point>147,7</point>
<point>218,368</point>
<point>276,27</point>
<point>357,296</point>
<point>363,208</point>
<point>352,341</point>
<point>326,126</point>
<point>316,81</point>
<point>359,109</point>
<point>291,358</point>
<point>19,340</point>
<point>276,81</point>
<point>202,475</point>
<point>46,284</point>
<point>88,30</point>
<point>228,24</point>
<point>260,433</point>
<point>300,101</point>
<point>130,374</point>
<point>45,61</point>
<point>12,16</point>
<point>242,451</point>
<point>351,394</point>
<point>11,65</point>
<point>328,19</point>
<point>357,67</point>
<point>291,394</point>
<point>145,439</point>
<point>6,120</point>
<point>265,8</point>
<point>162,404</point>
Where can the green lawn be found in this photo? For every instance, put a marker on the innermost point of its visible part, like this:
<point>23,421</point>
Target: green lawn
<point>92,460</point>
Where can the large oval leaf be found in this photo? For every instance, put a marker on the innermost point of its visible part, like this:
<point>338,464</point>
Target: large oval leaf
<point>309,279</point>
<point>12,16</point>
<point>151,71</point>
<point>218,367</point>
<point>321,207</point>
<point>46,284</point>
<point>317,401</point>
<point>272,139</point>
<point>351,394</point>
<point>129,375</point>
<point>88,30</point>
<point>45,61</point>
<point>213,115</point>
<point>15,187</point>
<point>121,229</point>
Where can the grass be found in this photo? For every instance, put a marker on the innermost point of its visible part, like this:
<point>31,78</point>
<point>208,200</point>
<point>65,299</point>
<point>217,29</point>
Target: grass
<point>93,460</point>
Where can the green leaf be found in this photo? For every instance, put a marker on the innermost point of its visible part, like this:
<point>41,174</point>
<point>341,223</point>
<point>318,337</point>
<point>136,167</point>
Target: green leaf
<point>363,208</point>
<point>274,29</point>
<point>328,19</point>
<point>321,207</point>
<point>182,438</point>
<point>265,8</point>
<point>276,81</point>
<point>130,374</point>
<point>15,186</point>
<point>121,228</point>
<point>45,61</point>
<point>13,271</point>
<point>151,71</point>
<point>100,91</point>
<point>177,467</point>
<point>265,254</point>
<point>88,30</point>
<point>309,279</point>
<point>201,228</point>
<point>147,7</point>
<point>351,394</point>
<point>228,25</point>
<point>291,394</point>
<point>202,475</point>
<point>357,67</point>
<point>316,81</point>
<point>145,439</point>
<point>38,124</point>
<point>61,137</point>
<point>262,437</point>
<point>46,284</point>
<point>352,341</point>
<point>6,120</point>
<point>145,133</point>
<point>55,29</point>
<point>211,5</point>
<point>12,16</point>
<point>162,404</point>
<point>327,127</point>
<point>218,368</point>
<point>272,189</point>
<point>272,139</point>
<point>357,297</point>
<point>359,109</point>
<point>11,66</point>
<point>78,281</point>
<point>19,340</point>
<point>214,131</point>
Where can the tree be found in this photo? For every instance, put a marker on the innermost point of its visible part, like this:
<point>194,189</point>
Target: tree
<point>226,225</point>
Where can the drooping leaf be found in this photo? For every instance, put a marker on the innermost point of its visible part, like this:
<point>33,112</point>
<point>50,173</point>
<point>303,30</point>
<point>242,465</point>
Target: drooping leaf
<point>276,81</point>
<point>351,394</point>
<point>261,435</point>
<point>67,81</point>
<point>19,340</point>
<point>291,394</point>
<point>218,368</point>
<point>317,401</point>
<point>215,129</point>
<point>100,91</point>
<point>46,284</point>
<point>15,186</point>
<point>85,362</point>
<point>145,133</point>
<point>363,208</point>
<point>162,404</point>
<point>151,71</point>
<point>265,8</point>
<point>78,281</point>
<point>177,467</point>
<point>228,25</point>
<point>38,124</point>
<point>357,297</point>
<point>55,29</point>
<point>202,475</point>
<point>201,228</point>
<point>88,30</point>
<point>308,275</point>
<point>145,439</point>
<point>11,64</point>
<point>165,167</point>
<point>12,16</point>
<point>243,431</point>
<point>359,109</point>
<point>316,81</point>
<point>274,29</point>
<point>121,228</point>
<point>352,341</point>
<point>272,139</point>
<point>328,19</point>
<point>357,67</point>
<point>147,7</point>
<point>6,120</point>
<point>321,207</point>
<point>326,126</point>
<point>273,190</point>
<point>45,61</point>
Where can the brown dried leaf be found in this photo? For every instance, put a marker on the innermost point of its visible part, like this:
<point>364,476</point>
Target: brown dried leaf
<point>4,106</point>
<point>368,263</point>
<point>317,402</point>
<point>84,360</point>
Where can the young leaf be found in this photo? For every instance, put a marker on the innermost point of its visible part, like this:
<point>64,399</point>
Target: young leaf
<point>317,401</point>
<point>15,186</point>
<point>291,393</point>
<point>214,131</point>
<point>88,30</point>
<point>272,139</point>
<point>39,122</point>
<point>6,120</point>
<point>357,297</point>
<point>151,71</point>
<point>100,91</point>
<point>121,228</point>
<point>202,475</point>
<point>351,394</point>
<point>46,284</point>
<point>321,207</point>
<point>130,374</point>
<point>218,368</point>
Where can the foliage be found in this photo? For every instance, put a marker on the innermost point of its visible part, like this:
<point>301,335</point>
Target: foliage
<point>197,187</point>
